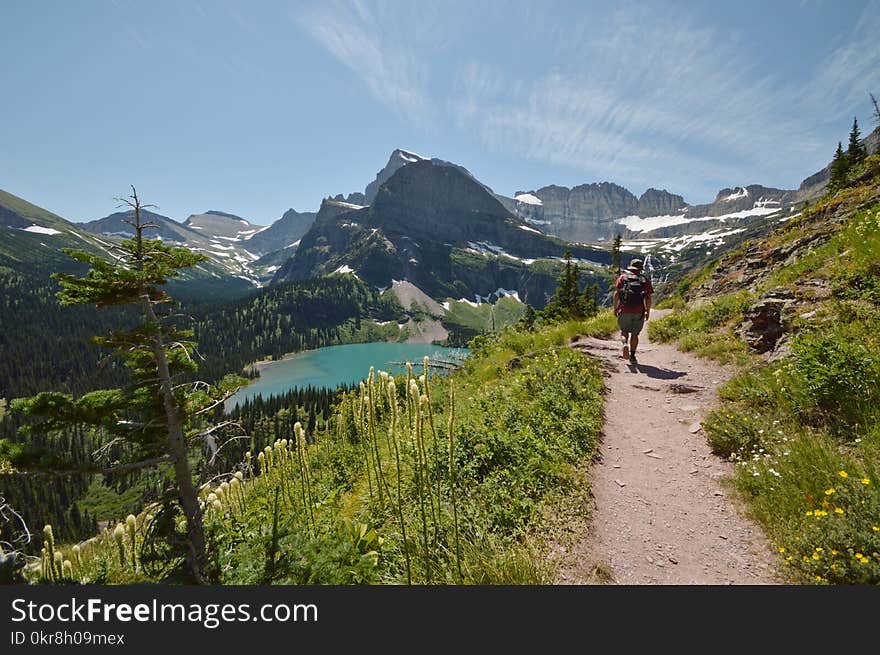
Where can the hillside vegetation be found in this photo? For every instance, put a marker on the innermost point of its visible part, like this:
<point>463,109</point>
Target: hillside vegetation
<point>799,312</point>
<point>417,479</point>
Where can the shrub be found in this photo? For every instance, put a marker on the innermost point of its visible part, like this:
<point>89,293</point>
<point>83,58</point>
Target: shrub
<point>840,375</point>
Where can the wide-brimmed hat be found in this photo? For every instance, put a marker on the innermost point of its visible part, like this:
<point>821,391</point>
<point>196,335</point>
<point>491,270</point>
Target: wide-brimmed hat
<point>636,265</point>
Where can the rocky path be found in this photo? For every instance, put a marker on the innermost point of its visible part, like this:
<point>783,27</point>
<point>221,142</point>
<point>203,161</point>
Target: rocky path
<point>661,515</point>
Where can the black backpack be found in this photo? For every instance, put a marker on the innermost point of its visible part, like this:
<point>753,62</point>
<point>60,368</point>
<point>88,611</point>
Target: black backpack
<point>632,295</point>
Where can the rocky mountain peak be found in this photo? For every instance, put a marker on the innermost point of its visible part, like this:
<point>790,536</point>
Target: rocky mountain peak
<point>659,202</point>
<point>220,224</point>
<point>398,159</point>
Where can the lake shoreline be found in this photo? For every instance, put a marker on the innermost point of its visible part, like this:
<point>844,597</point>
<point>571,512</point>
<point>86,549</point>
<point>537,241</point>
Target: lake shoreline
<point>332,366</point>
<point>426,337</point>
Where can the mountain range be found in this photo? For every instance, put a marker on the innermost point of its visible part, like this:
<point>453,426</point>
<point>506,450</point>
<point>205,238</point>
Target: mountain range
<point>438,228</point>
<point>431,223</point>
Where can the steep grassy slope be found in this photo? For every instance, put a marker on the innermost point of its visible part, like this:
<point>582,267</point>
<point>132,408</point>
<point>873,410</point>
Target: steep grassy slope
<point>799,310</point>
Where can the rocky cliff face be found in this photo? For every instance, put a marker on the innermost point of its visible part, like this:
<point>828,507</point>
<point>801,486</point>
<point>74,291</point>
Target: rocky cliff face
<point>356,198</point>
<point>583,213</point>
<point>659,202</point>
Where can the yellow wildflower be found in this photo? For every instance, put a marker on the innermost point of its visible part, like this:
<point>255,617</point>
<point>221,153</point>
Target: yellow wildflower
<point>833,552</point>
<point>875,528</point>
<point>781,549</point>
<point>865,481</point>
<point>843,474</point>
<point>816,556</point>
<point>838,510</point>
<point>809,513</point>
<point>859,556</point>
<point>829,491</point>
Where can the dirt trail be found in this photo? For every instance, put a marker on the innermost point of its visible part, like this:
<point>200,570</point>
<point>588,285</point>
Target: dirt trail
<point>660,514</point>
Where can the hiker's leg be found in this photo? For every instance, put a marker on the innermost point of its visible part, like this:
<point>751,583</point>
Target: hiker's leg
<point>633,343</point>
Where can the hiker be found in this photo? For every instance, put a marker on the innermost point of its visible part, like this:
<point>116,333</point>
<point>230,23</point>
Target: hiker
<point>632,306</point>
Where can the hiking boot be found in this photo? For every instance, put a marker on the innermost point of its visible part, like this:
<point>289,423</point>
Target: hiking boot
<point>632,358</point>
<point>625,352</point>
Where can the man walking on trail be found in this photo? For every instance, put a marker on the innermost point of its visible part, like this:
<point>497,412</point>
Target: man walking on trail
<point>632,306</point>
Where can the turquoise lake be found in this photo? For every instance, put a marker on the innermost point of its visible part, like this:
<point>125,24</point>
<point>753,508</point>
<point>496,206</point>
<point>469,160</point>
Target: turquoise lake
<point>336,365</point>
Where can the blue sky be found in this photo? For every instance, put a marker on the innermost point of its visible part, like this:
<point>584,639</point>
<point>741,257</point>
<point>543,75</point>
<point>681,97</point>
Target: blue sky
<point>256,107</point>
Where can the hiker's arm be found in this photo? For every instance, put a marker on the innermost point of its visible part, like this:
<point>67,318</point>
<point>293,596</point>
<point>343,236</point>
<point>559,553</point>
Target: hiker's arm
<point>616,301</point>
<point>647,306</point>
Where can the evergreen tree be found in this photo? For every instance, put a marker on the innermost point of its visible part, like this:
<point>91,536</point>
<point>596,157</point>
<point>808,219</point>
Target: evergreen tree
<point>839,168</point>
<point>615,255</point>
<point>528,318</point>
<point>856,152</point>
<point>589,301</point>
<point>151,422</point>
<point>569,302</point>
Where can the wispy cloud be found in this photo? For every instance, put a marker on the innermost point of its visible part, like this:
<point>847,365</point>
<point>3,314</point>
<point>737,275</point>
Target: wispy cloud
<point>643,94</point>
<point>652,98</point>
<point>382,45</point>
<point>851,70</point>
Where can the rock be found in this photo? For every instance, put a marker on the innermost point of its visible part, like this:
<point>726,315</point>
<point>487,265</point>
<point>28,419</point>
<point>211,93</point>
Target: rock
<point>813,289</point>
<point>648,450</point>
<point>766,320</point>
<point>620,484</point>
<point>683,388</point>
<point>781,350</point>
<point>694,428</point>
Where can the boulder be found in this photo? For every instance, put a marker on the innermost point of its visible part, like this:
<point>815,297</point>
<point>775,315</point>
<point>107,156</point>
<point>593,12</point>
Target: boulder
<point>766,321</point>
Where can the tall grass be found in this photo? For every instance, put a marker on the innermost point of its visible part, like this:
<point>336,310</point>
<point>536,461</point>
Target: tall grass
<point>706,330</point>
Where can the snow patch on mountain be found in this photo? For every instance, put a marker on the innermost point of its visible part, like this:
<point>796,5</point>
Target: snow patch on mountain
<point>39,229</point>
<point>528,199</point>
<point>740,192</point>
<point>639,224</point>
<point>411,157</point>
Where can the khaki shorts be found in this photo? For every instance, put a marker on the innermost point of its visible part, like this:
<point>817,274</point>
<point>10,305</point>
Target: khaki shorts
<point>630,323</point>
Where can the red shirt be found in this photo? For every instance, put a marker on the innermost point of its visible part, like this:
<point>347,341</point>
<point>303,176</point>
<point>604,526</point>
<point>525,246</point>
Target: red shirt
<point>649,290</point>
